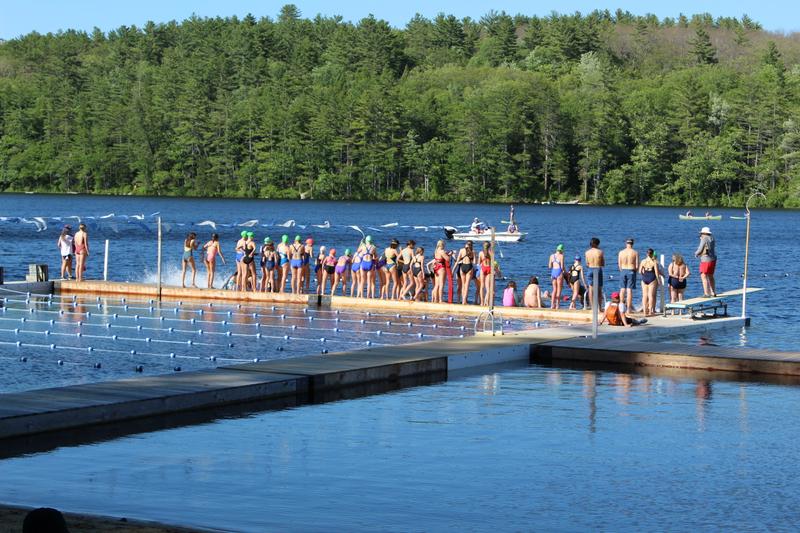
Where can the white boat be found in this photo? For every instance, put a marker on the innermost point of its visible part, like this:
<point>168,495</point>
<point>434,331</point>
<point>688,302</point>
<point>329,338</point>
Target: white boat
<point>486,236</point>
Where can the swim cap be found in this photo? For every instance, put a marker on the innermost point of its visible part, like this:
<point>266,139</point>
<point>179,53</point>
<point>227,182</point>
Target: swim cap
<point>244,233</point>
<point>309,241</point>
<point>284,238</point>
<point>347,251</point>
<point>560,248</point>
<point>297,238</point>
<point>250,234</point>
<point>577,258</point>
<point>267,240</point>
<point>368,239</point>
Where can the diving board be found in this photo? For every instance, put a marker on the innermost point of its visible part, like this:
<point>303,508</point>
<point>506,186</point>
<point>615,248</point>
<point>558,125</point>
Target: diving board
<point>699,307</point>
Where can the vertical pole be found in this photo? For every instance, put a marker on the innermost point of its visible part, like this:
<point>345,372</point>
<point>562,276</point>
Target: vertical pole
<point>595,300</point>
<point>158,268</point>
<point>494,282</point>
<point>105,263</point>
<point>746,254</point>
<point>663,289</point>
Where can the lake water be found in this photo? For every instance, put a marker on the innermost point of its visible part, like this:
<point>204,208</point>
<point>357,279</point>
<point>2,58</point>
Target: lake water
<point>774,254</point>
<point>516,449</point>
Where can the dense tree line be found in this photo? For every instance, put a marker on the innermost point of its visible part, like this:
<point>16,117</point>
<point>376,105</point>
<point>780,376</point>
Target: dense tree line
<point>607,107</point>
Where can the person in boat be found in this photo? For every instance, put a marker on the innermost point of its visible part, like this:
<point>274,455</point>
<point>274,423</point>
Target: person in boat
<point>595,261</point>
<point>678,272</point>
<point>189,246</point>
<point>66,248</point>
<point>478,226</point>
<point>707,253</point>
<point>650,281</point>
<point>211,250</point>
<point>556,266</point>
<point>532,297</point>
<point>512,224</point>
<point>615,314</point>
<point>708,214</point>
<point>577,282</point>
<point>628,264</point>
<point>688,213</point>
<point>464,268</point>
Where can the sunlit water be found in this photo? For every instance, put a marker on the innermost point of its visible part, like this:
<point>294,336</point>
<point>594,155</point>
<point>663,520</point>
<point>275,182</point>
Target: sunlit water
<point>519,449</point>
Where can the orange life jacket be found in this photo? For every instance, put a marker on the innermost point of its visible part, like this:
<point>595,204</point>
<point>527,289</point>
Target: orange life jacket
<point>613,316</point>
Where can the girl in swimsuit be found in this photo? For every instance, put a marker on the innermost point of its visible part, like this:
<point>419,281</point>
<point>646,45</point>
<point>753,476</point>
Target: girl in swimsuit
<point>241,270</point>
<point>308,253</point>
<point>532,297</point>
<point>355,271</point>
<point>283,260</point>
<point>441,258</point>
<point>575,278</point>
<point>404,262</point>
<point>648,269</point>
<point>189,246</point>
<point>327,271</point>
<point>368,268</point>
<point>296,253</point>
<point>318,262</point>
<point>341,272</point>
<point>486,261</point>
<point>418,272</point>
<point>81,242</point>
<point>66,249</point>
<point>249,261</point>
<point>389,271</point>
<point>465,269</point>
<point>556,266</point>
<point>678,272</point>
<point>211,250</point>
<point>268,262</point>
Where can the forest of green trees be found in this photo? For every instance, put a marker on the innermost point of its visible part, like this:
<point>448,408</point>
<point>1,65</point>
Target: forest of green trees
<point>607,107</point>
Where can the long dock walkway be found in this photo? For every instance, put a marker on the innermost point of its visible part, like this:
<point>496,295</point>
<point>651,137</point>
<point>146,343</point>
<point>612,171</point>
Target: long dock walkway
<point>304,379</point>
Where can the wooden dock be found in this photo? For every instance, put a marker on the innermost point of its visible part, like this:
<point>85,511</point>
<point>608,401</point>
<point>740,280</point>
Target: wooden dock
<point>305,379</point>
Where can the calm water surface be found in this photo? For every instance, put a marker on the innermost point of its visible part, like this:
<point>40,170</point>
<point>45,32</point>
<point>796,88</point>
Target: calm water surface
<point>773,260</point>
<point>530,448</point>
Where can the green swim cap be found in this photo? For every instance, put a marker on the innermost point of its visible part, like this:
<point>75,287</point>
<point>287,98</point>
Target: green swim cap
<point>347,251</point>
<point>284,238</point>
<point>297,238</point>
<point>250,234</point>
<point>560,248</point>
<point>369,238</point>
<point>267,240</point>
<point>244,233</point>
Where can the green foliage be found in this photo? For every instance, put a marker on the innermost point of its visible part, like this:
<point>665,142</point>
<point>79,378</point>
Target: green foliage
<point>612,108</point>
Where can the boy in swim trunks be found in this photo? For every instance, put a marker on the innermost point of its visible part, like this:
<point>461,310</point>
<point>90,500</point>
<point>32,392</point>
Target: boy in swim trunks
<point>628,264</point>
<point>595,261</point>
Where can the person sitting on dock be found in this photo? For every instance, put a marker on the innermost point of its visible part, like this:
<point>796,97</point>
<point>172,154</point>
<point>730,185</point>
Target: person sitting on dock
<point>615,314</point>
<point>533,294</point>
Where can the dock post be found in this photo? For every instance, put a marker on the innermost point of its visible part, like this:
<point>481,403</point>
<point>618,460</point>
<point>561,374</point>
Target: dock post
<point>747,250</point>
<point>595,300</point>
<point>105,262</point>
<point>158,268</point>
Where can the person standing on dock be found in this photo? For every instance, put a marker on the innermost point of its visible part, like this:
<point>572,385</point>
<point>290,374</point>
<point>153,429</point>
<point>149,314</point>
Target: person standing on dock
<point>66,248</point>
<point>628,263</point>
<point>595,261</point>
<point>707,253</point>
<point>81,242</point>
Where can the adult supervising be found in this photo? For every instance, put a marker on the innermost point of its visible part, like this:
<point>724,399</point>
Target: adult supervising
<point>707,253</point>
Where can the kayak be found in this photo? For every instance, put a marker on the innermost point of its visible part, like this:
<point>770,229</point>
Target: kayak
<point>738,218</point>
<point>486,236</point>
<point>693,217</point>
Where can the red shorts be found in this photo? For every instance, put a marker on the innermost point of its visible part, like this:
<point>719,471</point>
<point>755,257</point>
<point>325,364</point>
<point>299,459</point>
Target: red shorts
<point>708,267</point>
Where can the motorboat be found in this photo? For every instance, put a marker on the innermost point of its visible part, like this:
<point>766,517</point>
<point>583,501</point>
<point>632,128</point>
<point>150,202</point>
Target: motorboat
<point>484,236</point>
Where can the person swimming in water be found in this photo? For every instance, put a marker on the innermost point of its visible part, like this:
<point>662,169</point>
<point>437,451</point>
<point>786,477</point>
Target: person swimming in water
<point>556,266</point>
<point>283,262</point>
<point>211,250</point>
<point>189,246</point>
<point>81,243</point>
